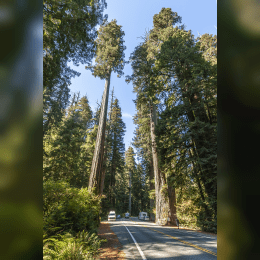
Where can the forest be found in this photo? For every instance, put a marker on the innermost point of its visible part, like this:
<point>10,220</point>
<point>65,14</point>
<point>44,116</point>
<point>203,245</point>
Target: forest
<point>87,171</point>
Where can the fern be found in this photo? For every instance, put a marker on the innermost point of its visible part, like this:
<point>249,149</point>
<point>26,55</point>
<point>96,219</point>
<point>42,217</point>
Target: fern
<point>83,246</point>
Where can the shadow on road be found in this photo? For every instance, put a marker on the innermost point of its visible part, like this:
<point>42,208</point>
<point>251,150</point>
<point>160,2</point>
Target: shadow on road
<point>158,241</point>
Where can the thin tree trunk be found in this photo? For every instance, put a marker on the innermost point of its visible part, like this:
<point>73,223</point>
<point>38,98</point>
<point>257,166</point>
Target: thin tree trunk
<point>112,174</point>
<point>97,162</point>
<point>105,151</point>
<point>130,193</point>
<point>151,176</point>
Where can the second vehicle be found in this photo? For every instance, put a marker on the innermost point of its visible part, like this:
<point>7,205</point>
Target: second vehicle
<point>143,216</point>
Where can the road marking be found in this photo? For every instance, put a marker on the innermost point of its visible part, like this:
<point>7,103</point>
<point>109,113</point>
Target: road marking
<point>138,247</point>
<point>182,241</point>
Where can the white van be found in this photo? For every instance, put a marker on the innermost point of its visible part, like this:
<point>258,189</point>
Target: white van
<point>143,216</point>
<point>111,215</point>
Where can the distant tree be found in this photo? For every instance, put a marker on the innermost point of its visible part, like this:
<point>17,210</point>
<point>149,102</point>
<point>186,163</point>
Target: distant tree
<point>143,145</point>
<point>130,169</point>
<point>122,192</point>
<point>115,154</point>
<point>62,144</point>
<point>140,190</point>
<point>109,57</point>
<point>142,78</point>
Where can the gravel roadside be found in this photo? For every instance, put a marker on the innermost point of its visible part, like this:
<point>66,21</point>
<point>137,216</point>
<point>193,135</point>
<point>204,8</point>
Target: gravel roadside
<point>112,249</point>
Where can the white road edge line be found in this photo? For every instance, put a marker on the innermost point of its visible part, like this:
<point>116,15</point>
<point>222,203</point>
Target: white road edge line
<point>138,247</point>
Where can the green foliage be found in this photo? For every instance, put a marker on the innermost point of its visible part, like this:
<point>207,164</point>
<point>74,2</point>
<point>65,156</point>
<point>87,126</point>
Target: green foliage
<point>114,168</point>
<point>165,18</point>
<point>139,184</point>
<point>122,192</point>
<point>177,73</point>
<point>63,145</point>
<point>82,246</point>
<point>109,55</point>
<point>140,190</point>
<point>130,160</point>
<point>68,209</point>
<point>68,35</point>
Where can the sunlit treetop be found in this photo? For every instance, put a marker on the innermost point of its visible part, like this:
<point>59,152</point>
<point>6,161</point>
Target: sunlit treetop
<point>109,54</point>
<point>162,22</point>
<point>165,18</point>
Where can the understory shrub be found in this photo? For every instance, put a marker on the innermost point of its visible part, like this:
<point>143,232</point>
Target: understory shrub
<point>68,209</point>
<point>191,212</point>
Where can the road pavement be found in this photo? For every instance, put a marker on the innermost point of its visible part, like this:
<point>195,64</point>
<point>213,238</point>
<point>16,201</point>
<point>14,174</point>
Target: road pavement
<point>146,240</point>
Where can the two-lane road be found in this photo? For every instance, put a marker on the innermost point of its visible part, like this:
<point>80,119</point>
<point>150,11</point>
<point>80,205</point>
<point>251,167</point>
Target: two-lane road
<point>145,240</point>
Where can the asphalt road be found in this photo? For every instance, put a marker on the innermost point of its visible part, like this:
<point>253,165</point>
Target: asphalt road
<point>145,240</point>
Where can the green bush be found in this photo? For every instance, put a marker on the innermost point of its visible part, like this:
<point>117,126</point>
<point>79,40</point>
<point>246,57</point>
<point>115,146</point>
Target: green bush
<point>68,209</point>
<point>83,246</point>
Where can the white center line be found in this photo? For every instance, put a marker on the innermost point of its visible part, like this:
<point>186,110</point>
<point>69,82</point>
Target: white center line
<point>138,247</point>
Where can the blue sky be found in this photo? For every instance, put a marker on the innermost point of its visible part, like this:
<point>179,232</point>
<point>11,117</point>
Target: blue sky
<point>136,17</point>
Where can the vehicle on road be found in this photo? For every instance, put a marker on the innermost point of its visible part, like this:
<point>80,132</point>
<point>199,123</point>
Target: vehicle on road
<point>127,215</point>
<point>111,215</point>
<point>118,216</point>
<point>143,216</point>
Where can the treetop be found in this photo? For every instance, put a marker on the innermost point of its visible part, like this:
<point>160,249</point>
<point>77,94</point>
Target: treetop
<point>109,53</point>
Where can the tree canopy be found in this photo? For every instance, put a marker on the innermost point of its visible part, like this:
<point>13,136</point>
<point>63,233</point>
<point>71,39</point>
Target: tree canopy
<point>69,31</point>
<point>109,54</point>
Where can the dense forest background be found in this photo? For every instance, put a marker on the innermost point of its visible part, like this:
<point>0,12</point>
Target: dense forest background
<point>173,174</point>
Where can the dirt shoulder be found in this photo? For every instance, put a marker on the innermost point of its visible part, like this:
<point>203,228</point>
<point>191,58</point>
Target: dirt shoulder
<point>112,249</point>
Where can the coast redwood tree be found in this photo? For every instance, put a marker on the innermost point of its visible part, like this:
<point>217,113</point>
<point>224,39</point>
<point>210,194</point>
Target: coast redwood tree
<point>109,56</point>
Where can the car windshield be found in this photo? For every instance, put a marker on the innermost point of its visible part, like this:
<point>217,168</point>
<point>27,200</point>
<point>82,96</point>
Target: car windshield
<point>112,215</point>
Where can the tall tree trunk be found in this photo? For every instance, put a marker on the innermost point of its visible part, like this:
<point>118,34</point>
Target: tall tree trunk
<point>113,175</point>
<point>160,200</point>
<point>172,205</point>
<point>105,150</point>
<point>97,162</point>
<point>130,193</point>
<point>151,176</point>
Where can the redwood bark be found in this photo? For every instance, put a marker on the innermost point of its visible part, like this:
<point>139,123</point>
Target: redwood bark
<point>97,162</point>
<point>105,151</point>
<point>151,176</point>
<point>172,205</point>
<point>160,200</point>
